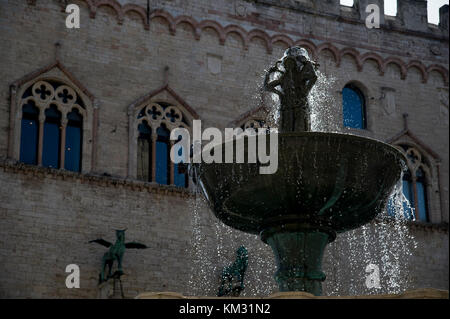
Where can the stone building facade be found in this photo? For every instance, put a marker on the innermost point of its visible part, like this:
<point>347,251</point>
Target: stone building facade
<point>116,63</point>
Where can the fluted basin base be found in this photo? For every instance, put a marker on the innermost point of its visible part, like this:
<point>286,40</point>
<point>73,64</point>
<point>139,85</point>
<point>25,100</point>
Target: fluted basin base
<point>298,254</point>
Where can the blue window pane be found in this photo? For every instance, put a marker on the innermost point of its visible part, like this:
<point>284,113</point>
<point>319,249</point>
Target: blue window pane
<point>74,141</point>
<point>353,108</point>
<point>161,162</point>
<point>144,155</point>
<point>29,141</point>
<point>143,128</point>
<point>72,158</point>
<point>50,150</point>
<point>75,117</point>
<point>29,135</point>
<point>421,201</point>
<point>163,132</point>
<point>409,194</point>
<point>179,178</point>
<point>162,155</point>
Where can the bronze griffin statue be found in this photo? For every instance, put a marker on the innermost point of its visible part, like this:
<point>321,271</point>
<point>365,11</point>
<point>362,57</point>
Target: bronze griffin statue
<point>115,252</point>
<point>291,78</point>
<point>234,274</point>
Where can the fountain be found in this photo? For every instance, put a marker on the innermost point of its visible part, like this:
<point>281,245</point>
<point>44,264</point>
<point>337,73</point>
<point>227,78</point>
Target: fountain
<point>326,183</point>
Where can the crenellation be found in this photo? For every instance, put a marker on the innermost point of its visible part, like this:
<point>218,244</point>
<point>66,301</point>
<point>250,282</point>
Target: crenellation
<point>443,18</point>
<point>413,14</point>
<point>350,13</point>
<point>328,6</point>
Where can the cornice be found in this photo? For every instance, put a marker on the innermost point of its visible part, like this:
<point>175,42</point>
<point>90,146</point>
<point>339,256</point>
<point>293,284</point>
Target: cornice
<point>38,172</point>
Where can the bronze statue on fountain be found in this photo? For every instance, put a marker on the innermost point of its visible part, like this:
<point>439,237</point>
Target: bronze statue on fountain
<point>292,78</point>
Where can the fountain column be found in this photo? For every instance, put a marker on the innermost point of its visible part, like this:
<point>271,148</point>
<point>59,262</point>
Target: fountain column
<point>298,247</point>
<point>298,255</point>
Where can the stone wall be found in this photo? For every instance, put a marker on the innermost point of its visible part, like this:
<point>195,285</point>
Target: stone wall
<point>217,52</point>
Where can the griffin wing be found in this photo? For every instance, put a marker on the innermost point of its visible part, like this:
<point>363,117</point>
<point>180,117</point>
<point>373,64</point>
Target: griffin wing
<point>135,245</point>
<point>101,242</point>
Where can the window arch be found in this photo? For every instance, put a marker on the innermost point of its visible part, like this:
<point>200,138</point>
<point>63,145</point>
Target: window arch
<point>353,107</point>
<point>152,127</point>
<point>51,131</point>
<point>415,185</point>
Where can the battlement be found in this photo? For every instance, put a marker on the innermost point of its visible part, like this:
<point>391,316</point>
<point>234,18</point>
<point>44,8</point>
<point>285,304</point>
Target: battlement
<point>411,14</point>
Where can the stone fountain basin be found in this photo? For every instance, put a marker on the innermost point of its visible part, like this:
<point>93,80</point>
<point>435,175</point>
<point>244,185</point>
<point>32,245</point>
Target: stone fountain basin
<point>327,181</point>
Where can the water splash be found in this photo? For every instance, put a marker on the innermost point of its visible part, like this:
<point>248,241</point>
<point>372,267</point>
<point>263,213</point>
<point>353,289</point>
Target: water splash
<point>386,242</point>
<point>213,246</point>
<point>323,104</point>
<point>201,263</point>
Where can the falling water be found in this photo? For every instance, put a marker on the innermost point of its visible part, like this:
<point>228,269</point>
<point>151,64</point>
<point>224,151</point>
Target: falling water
<point>213,246</point>
<point>323,104</point>
<point>201,264</point>
<point>385,243</point>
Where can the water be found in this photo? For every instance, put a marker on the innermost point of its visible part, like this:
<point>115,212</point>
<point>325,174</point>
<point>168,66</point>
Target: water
<point>323,104</point>
<point>386,243</point>
<point>213,246</point>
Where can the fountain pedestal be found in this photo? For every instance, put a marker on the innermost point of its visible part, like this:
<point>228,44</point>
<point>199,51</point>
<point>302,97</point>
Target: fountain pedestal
<point>298,254</point>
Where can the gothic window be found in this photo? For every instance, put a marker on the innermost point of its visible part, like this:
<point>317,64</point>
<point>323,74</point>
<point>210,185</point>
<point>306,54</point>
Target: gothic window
<point>154,124</point>
<point>51,132</point>
<point>415,185</point>
<point>353,107</point>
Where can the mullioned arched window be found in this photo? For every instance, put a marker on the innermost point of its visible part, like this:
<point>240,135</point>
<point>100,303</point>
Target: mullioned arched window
<point>153,124</point>
<point>51,130</point>
<point>415,185</point>
<point>53,121</point>
<point>151,119</point>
